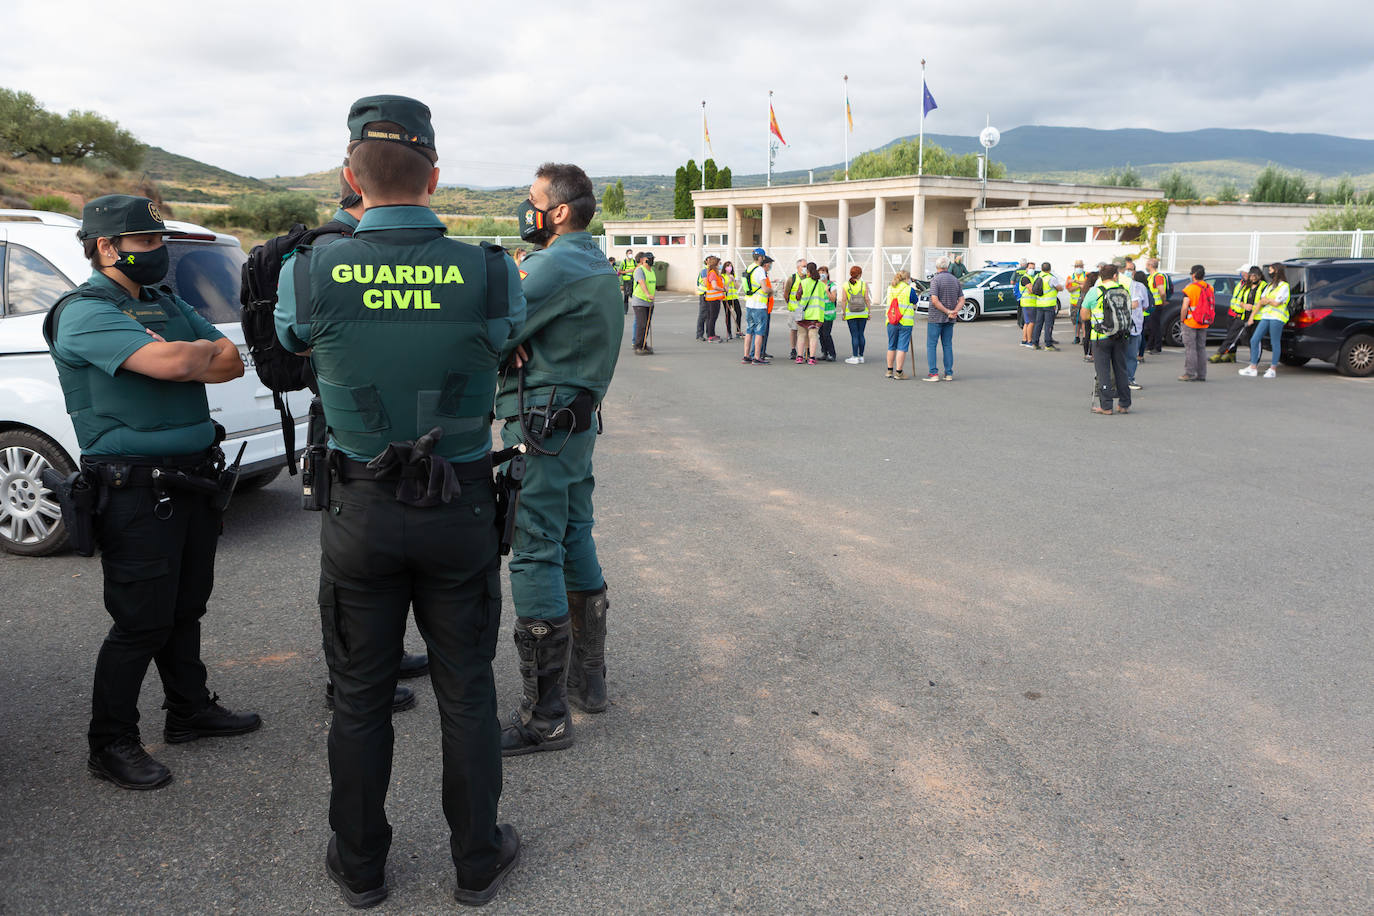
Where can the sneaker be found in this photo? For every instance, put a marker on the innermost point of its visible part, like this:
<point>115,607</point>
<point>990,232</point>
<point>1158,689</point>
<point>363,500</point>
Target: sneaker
<point>1026,344</point>
<point>949,376</point>
<point>1228,358</point>
<point>861,359</point>
<point>899,375</point>
<point>713,339</point>
<point>853,360</point>
<point>794,355</point>
<point>889,373</point>
<point>1123,410</point>
<point>1105,413</point>
<point>748,361</point>
<point>214,721</point>
<point>799,360</point>
<point>1133,386</point>
<point>1191,378</point>
<point>1270,373</point>
<point>1051,347</point>
<point>809,362</point>
<point>760,362</point>
<point>1077,341</point>
<point>125,763</point>
<point>933,377</point>
<point>1214,359</point>
<point>1250,371</point>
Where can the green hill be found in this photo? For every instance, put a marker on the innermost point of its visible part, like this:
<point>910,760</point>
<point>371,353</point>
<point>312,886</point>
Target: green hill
<point>186,179</point>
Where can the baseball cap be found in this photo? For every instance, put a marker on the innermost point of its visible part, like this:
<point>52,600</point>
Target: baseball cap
<point>121,214</point>
<point>760,251</point>
<point>409,115</point>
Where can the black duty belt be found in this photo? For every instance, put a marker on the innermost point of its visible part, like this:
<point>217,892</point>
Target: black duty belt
<point>577,416</point>
<point>119,471</point>
<point>346,469</point>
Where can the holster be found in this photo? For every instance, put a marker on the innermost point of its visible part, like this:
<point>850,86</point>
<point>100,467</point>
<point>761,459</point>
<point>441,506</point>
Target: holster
<point>540,422</point>
<point>425,479</point>
<point>78,495</point>
<point>315,477</point>
<point>508,484</point>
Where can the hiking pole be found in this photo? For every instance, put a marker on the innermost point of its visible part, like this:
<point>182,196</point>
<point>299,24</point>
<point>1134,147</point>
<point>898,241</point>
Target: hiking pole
<point>649,329</point>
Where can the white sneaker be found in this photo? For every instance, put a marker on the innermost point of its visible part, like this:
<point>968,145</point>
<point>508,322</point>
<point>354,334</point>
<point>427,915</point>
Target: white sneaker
<point>1249,370</point>
<point>861,359</point>
<point>853,360</point>
<point>1270,373</point>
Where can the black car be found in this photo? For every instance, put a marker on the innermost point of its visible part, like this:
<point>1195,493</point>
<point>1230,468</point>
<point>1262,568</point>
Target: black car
<point>1331,314</point>
<point>1169,324</point>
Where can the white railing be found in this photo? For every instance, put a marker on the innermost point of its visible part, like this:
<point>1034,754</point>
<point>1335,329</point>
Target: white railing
<point>1228,251</point>
<point>514,240</point>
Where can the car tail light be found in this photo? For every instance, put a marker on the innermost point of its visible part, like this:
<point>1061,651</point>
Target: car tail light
<point>197,237</point>
<point>1309,317</point>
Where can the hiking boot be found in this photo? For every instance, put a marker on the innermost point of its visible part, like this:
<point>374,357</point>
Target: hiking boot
<point>889,373</point>
<point>1051,347</point>
<point>899,375</point>
<point>510,855</point>
<point>587,667</point>
<point>413,665</point>
<point>1228,358</point>
<point>357,894</point>
<point>214,721</point>
<point>542,722</point>
<point>1214,359</point>
<point>125,763</point>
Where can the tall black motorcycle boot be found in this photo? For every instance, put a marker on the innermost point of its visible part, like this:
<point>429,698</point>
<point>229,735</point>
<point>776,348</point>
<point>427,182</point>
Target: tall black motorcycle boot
<point>587,673</point>
<point>542,723</point>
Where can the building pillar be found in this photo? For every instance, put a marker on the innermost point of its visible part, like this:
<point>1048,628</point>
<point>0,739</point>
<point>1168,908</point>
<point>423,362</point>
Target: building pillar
<point>732,232</point>
<point>803,231</point>
<point>877,282</point>
<point>842,243</point>
<point>918,236</point>
<point>700,234</point>
<point>766,230</point>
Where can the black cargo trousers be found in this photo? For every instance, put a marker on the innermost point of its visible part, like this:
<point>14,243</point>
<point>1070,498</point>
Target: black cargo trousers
<point>378,557</point>
<point>159,573</point>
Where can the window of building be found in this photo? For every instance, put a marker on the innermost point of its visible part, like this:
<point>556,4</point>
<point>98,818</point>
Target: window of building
<point>1022,236</point>
<point>1104,234</point>
<point>1051,235</point>
<point>31,283</point>
<point>960,238</point>
<point>985,237</point>
<point>1004,235</point>
<point>621,240</point>
<point>822,236</point>
<point>1076,234</point>
<point>1128,234</point>
<point>716,238</point>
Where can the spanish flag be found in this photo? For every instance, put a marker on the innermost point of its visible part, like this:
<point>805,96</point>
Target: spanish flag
<point>773,125</point>
<point>706,131</point>
<point>848,115</point>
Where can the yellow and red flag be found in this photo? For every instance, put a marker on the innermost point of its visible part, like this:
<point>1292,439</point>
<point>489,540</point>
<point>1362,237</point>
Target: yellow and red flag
<point>773,125</point>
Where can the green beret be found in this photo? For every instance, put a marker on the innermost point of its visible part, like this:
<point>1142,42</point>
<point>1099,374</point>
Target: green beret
<point>410,115</point>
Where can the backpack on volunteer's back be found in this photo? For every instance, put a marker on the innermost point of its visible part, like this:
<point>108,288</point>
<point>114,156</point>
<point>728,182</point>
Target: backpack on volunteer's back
<point>1115,323</point>
<point>1205,312</point>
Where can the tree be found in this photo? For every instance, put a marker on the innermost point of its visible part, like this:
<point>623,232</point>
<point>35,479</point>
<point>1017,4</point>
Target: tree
<point>682,195</point>
<point>1348,218</point>
<point>1126,178</point>
<point>1343,193</point>
<point>613,200</point>
<point>1178,186</point>
<point>693,177</point>
<point>716,179</point>
<point>1228,192</point>
<point>903,158</point>
<point>1275,186</point>
<point>26,128</point>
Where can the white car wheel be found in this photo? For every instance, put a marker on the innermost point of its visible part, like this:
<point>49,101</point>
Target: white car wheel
<point>30,518</point>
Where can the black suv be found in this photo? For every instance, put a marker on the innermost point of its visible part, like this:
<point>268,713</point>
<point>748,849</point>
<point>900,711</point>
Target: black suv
<point>1170,327</point>
<point>1331,314</point>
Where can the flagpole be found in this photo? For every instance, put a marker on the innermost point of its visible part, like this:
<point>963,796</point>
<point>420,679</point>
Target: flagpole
<point>703,144</point>
<point>768,146</point>
<point>921,146</point>
<point>846,127</point>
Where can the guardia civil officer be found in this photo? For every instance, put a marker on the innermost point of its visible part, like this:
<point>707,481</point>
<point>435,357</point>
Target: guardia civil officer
<point>404,328</point>
<point>567,353</point>
<point>341,225</point>
<point>133,360</point>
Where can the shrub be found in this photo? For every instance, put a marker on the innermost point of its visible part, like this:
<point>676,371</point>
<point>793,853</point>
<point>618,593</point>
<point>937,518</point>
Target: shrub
<point>274,212</point>
<point>55,202</point>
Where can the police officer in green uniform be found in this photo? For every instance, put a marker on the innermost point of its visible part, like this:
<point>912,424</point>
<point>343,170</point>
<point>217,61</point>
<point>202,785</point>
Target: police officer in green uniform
<point>560,365</point>
<point>133,361</point>
<point>404,328</point>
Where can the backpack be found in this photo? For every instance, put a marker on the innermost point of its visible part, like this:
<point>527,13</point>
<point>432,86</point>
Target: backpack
<point>1038,287</point>
<point>1115,323</point>
<point>749,287</point>
<point>1205,312</point>
<point>894,311</point>
<point>278,369</point>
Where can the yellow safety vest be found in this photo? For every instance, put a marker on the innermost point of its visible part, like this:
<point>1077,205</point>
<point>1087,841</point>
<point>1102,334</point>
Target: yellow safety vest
<point>731,285</point>
<point>1049,296</point>
<point>701,282</point>
<point>855,288</point>
<point>626,269</point>
<point>1275,291</point>
<point>759,297</point>
<point>1243,299</point>
<point>650,281</point>
<point>794,295</point>
<point>1156,292</point>
<point>1075,285</point>
<point>813,298</point>
<point>902,293</point>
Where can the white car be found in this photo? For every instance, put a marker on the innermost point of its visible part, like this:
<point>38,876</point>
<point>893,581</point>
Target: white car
<point>40,259</point>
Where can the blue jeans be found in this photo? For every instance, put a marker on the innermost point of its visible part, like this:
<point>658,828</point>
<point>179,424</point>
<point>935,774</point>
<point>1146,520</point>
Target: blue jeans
<point>856,334</point>
<point>1043,319</point>
<point>1274,328</point>
<point>1134,347</point>
<point>943,332</point>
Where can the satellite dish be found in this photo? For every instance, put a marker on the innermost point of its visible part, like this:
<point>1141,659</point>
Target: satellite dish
<point>989,137</point>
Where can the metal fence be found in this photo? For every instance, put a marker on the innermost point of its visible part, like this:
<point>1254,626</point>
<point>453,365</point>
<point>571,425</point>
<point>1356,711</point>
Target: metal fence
<point>1228,251</point>
<point>514,240</point>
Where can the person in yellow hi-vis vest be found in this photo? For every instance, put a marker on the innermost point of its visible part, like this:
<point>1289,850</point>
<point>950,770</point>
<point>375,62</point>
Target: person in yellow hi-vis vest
<point>856,312</point>
<point>901,315</point>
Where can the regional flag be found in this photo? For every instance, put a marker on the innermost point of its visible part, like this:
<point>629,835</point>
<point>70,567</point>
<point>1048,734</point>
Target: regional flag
<point>928,104</point>
<point>848,115</point>
<point>773,124</point>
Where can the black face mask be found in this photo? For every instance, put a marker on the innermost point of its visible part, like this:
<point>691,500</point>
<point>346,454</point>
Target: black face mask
<point>533,222</point>
<point>143,267</point>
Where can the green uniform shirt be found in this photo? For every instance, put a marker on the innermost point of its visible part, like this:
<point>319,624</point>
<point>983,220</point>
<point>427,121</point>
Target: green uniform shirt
<point>401,335</point>
<point>116,411</point>
<point>573,324</point>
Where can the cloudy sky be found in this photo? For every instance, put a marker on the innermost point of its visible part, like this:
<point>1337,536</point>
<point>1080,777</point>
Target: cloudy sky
<point>263,89</point>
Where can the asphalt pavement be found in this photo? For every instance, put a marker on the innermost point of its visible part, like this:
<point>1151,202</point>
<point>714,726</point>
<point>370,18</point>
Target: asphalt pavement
<point>875,647</point>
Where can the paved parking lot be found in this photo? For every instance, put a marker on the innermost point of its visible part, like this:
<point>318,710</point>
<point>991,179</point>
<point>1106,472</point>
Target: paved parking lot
<point>875,647</point>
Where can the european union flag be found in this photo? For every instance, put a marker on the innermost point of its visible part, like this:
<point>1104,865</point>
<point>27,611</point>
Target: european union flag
<point>928,104</point>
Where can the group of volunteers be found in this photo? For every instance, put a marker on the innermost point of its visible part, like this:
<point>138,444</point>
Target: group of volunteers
<point>400,465</point>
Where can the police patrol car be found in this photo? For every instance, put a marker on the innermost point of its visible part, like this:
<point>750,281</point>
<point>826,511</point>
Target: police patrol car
<point>40,259</point>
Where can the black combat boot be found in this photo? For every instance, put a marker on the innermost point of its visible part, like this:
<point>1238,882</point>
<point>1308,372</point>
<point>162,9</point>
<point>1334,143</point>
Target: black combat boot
<point>213,721</point>
<point>401,700</point>
<point>542,722</point>
<point>587,671</point>
<point>414,665</point>
<point>125,763</point>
